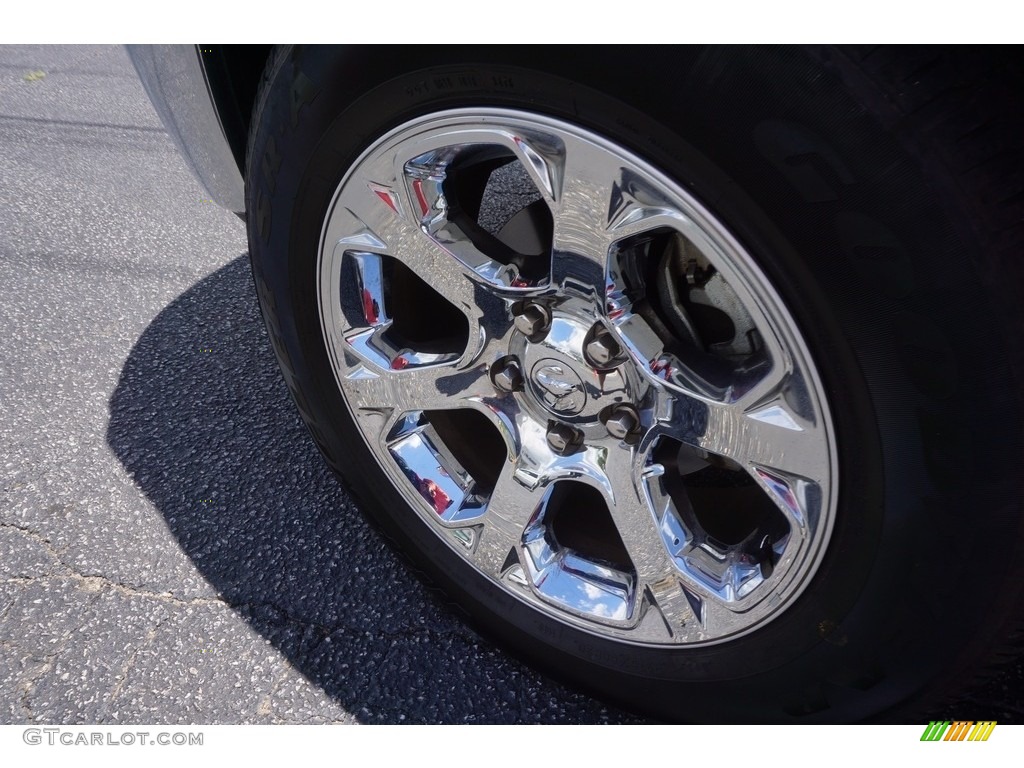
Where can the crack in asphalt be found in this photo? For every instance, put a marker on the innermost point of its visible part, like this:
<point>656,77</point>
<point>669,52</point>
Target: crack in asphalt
<point>94,582</point>
<point>28,683</point>
<point>267,612</point>
<point>314,633</point>
<point>129,662</point>
<point>24,529</point>
<point>264,707</point>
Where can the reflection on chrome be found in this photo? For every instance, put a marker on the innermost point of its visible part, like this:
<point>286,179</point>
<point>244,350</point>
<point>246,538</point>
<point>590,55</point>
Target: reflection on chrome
<point>425,177</point>
<point>747,402</point>
<point>728,573</point>
<point>370,339</point>
<point>580,584</point>
<point>435,474</point>
<point>794,494</point>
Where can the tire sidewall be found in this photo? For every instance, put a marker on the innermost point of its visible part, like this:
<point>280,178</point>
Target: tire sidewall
<point>863,636</point>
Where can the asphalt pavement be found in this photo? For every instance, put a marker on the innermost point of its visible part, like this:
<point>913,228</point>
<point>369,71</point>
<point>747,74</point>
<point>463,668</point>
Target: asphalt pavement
<point>172,548</point>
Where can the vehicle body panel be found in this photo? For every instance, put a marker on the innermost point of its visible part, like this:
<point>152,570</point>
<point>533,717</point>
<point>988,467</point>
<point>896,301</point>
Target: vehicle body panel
<point>175,80</point>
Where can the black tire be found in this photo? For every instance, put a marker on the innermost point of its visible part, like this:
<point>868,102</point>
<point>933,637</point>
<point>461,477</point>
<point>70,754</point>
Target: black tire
<point>881,192</point>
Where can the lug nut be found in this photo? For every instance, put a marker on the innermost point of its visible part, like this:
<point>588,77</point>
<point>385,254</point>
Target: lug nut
<point>562,438</point>
<point>622,422</point>
<point>508,378</point>
<point>533,320</point>
<point>602,349</point>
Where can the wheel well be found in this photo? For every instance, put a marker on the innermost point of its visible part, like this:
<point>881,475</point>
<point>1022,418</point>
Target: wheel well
<point>234,72</point>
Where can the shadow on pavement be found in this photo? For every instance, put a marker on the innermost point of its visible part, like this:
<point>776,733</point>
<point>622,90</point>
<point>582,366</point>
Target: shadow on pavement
<point>202,420</point>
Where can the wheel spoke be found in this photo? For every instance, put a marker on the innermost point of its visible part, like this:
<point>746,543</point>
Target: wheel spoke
<point>486,312</point>
<point>637,527</point>
<point>779,449</point>
<point>512,502</point>
<point>639,208</point>
<point>383,224</point>
<point>587,186</point>
<point>770,376</point>
<point>416,389</point>
<point>774,438</point>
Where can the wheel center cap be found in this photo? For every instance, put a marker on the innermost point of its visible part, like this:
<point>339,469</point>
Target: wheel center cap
<point>557,378</point>
<point>558,386</point>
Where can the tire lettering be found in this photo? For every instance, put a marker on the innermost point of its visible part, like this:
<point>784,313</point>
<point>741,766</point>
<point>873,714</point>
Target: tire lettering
<point>417,89</point>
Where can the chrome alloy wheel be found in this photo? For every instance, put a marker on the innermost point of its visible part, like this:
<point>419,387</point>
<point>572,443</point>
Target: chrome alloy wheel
<point>584,385</point>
